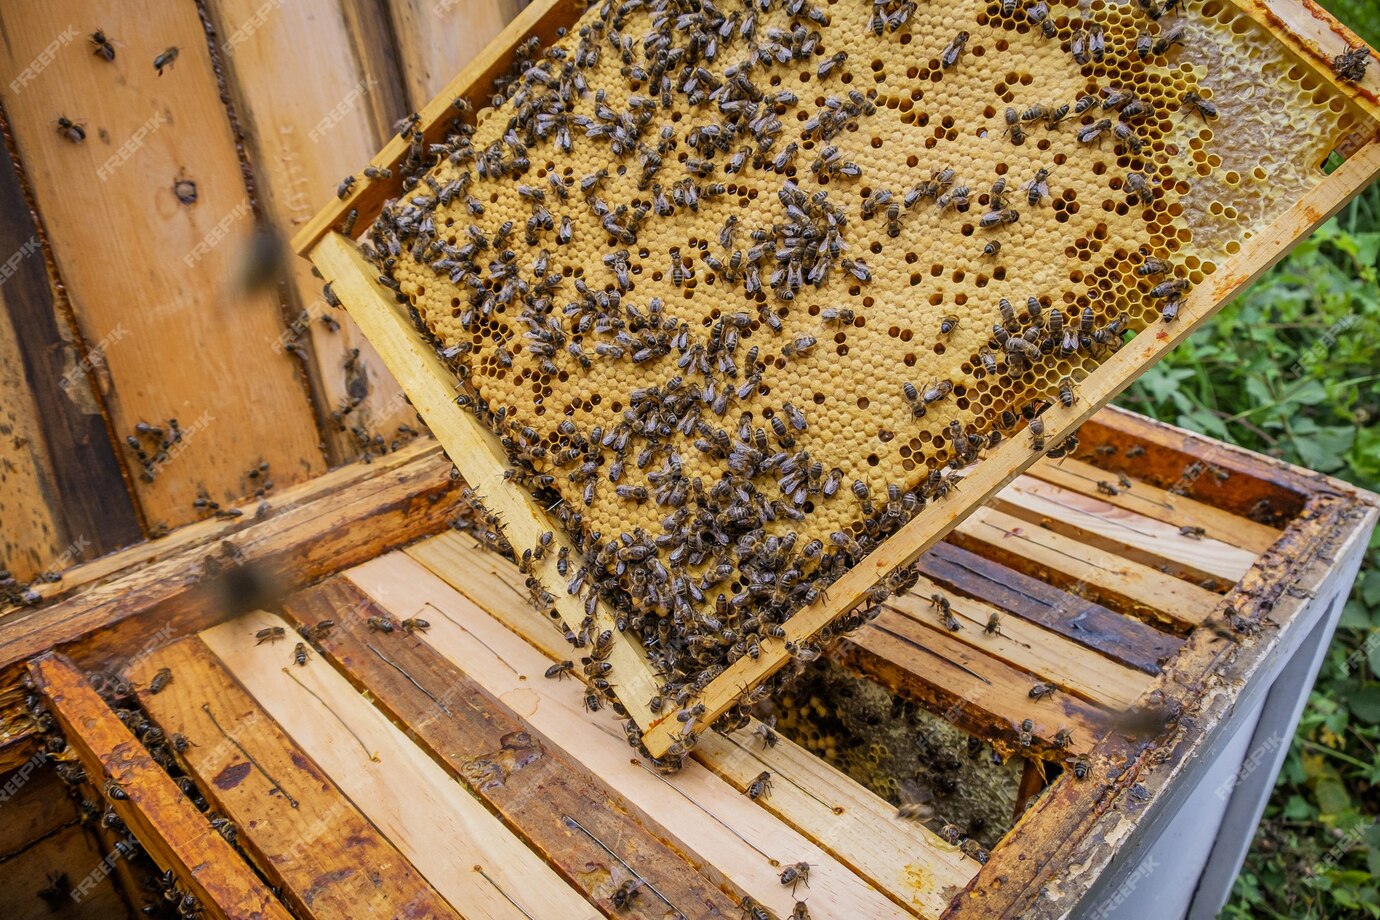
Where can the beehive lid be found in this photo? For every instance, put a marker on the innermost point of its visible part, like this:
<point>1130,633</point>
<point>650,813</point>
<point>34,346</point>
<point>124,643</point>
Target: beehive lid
<point>747,288</point>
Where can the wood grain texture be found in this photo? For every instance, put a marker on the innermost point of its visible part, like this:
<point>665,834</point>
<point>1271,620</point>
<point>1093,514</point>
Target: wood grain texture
<point>72,853</point>
<point>303,144</point>
<point>711,817</point>
<point>63,496</point>
<point>167,824</point>
<point>303,833</point>
<point>437,39</point>
<point>462,849</point>
<point>196,347</point>
<point>478,454</point>
<point>339,519</point>
<point>561,809</point>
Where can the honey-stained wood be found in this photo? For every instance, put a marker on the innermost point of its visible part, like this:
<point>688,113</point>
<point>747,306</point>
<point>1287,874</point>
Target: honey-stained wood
<point>309,840</point>
<point>336,520</point>
<point>542,18</point>
<point>62,493</point>
<point>461,848</point>
<point>1040,653</point>
<point>60,876</point>
<point>564,811</point>
<point>477,453</point>
<point>1153,502</point>
<point>710,816</point>
<point>1137,536</point>
<point>137,265</point>
<point>35,804</point>
<point>167,824</point>
<point>304,143</point>
<point>436,38</point>
<point>975,692</point>
<point>1089,572</point>
<point>1077,823</point>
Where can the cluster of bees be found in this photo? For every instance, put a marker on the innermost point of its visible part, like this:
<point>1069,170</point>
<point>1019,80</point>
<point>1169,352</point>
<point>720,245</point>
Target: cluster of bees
<point>731,558</point>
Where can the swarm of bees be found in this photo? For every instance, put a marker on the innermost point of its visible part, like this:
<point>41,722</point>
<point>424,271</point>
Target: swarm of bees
<point>705,500</point>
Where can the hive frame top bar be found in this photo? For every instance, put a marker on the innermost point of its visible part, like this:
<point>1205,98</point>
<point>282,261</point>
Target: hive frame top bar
<point>1306,30</point>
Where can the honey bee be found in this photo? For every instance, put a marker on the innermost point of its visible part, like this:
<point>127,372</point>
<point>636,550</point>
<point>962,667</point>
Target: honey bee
<point>1013,127</point>
<point>1152,267</point>
<point>299,654</point>
<point>343,189</point>
<point>974,850</point>
<point>1037,189</point>
<point>414,624</point>
<point>160,680</point>
<point>269,634</point>
<point>1024,735</point>
<point>622,898</point>
<point>953,51</point>
<point>766,735</point>
<point>1093,132</point>
<point>831,63</point>
<point>991,248</point>
<point>1037,433</point>
<point>1145,43</point>
<point>796,874</point>
<point>165,59</point>
<point>1078,46</point>
<point>993,627</point>
<point>752,910</point>
<point>1066,395</point>
<point>1080,766</point>
<point>381,624</point>
<point>1171,288</point>
<point>1192,531</point>
<point>937,391</point>
<point>993,219</point>
<point>1350,66</point>
<point>915,811</point>
<point>1042,690</point>
<point>800,911</point>
<point>101,45</point>
<point>1169,38</point>
<point>1063,738</point>
<point>1197,103</point>
<point>760,786</point>
<point>1106,488</point>
<point>1138,188</point>
<point>71,130</point>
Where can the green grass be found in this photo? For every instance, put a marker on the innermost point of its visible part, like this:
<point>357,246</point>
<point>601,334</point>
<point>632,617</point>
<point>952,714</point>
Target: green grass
<point>1292,369</point>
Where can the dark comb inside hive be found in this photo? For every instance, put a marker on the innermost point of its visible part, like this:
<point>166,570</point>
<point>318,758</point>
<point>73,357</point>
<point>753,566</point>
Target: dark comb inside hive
<point>655,391</point>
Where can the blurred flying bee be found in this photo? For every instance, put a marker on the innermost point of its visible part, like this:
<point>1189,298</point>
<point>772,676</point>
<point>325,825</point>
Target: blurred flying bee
<point>165,59</point>
<point>953,51</point>
<point>760,786</point>
<point>71,130</point>
<point>269,634</point>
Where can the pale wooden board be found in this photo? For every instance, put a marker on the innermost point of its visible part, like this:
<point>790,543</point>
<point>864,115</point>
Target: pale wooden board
<point>135,261</point>
<point>304,143</point>
<point>438,37</point>
<point>432,820</point>
<point>165,821</point>
<point>476,452</point>
<point>813,797</point>
<point>745,842</point>
<point>1034,650</point>
<point>1084,567</point>
<point>312,842</point>
<point>1153,502</point>
<point>1122,530</point>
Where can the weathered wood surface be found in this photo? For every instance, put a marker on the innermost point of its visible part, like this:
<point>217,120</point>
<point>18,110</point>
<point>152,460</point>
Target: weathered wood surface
<point>710,817</point>
<point>437,39</point>
<point>908,862</point>
<point>167,824</point>
<point>477,453</point>
<point>560,807</point>
<point>68,855</point>
<point>304,143</point>
<point>308,839</point>
<point>198,344</point>
<point>460,847</point>
<point>63,497</point>
<point>337,520</point>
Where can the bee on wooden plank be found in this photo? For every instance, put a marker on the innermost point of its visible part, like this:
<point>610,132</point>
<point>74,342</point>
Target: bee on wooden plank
<point>299,654</point>
<point>1063,738</point>
<point>800,911</point>
<point>160,680</point>
<point>1025,734</point>
<point>165,59</point>
<point>622,899</point>
<point>70,130</point>
<point>1192,531</point>
<point>796,874</point>
<point>760,786</point>
<point>1350,66</point>
<point>114,790</point>
<point>414,624</point>
<point>993,627</point>
<point>269,634</point>
<point>752,910</point>
<point>973,850</point>
<point>1106,488</point>
<point>1042,690</point>
<point>101,45</point>
<point>1037,433</point>
<point>381,624</point>
<point>1080,766</point>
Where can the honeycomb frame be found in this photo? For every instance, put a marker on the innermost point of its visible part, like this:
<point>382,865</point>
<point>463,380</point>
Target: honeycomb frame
<point>999,466</point>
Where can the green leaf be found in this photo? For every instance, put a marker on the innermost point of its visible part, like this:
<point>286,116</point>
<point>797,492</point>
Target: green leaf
<point>1333,798</point>
<point>1326,449</point>
<point>1365,704</point>
<point>1370,588</point>
<point>1372,839</point>
<point>1373,653</point>
<point>1354,615</point>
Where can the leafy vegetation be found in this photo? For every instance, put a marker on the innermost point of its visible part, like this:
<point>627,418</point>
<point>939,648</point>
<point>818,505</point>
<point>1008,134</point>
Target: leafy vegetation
<point>1292,369</point>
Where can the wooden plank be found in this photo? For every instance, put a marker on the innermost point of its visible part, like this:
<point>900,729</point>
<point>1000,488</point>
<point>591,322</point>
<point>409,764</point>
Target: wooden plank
<point>63,494</point>
<point>748,844</point>
<point>199,348</point>
<point>55,866</point>
<point>35,804</point>
<point>973,691</point>
<point>167,824</point>
<point>457,845</point>
<point>1085,571</point>
<point>561,809</point>
<point>337,520</point>
<point>303,143</point>
<point>542,18</point>
<point>478,455</point>
<point>435,39</point>
<point>1153,502</point>
<point>308,839</point>
<point>909,861</point>
<point>1035,651</point>
<point>1010,458</point>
